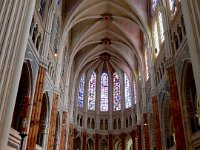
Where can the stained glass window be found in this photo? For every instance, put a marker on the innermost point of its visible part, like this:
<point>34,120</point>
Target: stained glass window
<point>116,92</point>
<point>92,92</point>
<point>81,91</point>
<point>147,65</point>
<point>127,91</point>
<point>104,92</point>
<point>154,4</point>
<point>161,27</point>
<point>135,94</point>
<point>56,38</point>
<point>156,40</point>
<point>173,7</point>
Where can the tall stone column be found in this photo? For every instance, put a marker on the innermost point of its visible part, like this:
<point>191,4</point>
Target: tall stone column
<point>74,139</point>
<point>84,143</point>
<point>122,92</point>
<point>110,138</point>
<point>139,137</point>
<point>36,110</point>
<point>97,138</point>
<point>110,101</point>
<point>63,131</point>
<point>123,140</point>
<point>52,130</point>
<point>146,132</point>
<point>70,137</point>
<point>175,107</point>
<point>21,19</point>
<point>98,98</point>
<point>156,123</point>
<point>133,139</point>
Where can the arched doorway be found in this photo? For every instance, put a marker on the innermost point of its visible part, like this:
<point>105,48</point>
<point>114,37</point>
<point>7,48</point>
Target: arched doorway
<point>190,105</point>
<point>129,144</point>
<point>118,145</point>
<point>167,124</point>
<point>21,110</point>
<point>90,144</point>
<point>78,143</point>
<point>43,121</point>
<point>103,145</point>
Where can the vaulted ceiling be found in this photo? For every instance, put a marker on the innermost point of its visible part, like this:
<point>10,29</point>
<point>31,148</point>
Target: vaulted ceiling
<point>117,29</point>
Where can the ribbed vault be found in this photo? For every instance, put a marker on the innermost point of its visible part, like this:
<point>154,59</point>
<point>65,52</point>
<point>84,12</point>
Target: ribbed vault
<point>116,28</point>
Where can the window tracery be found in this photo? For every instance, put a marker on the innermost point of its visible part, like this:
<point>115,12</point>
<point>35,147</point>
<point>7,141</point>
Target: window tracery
<point>156,40</point>
<point>135,94</point>
<point>81,91</point>
<point>104,92</point>
<point>154,4</point>
<point>116,92</point>
<point>160,19</point>
<point>56,38</point>
<point>146,65</point>
<point>173,8</point>
<point>92,92</point>
<point>127,91</point>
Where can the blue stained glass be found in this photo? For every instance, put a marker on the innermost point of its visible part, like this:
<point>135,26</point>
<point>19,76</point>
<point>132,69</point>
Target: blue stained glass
<point>92,92</point>
<point>154,4</point>
<point>81,91</point>
<point>104,92</point>
<point>116,92</point>
<point>173,6</point>
<point>135,94</point>
<point>127,91</point>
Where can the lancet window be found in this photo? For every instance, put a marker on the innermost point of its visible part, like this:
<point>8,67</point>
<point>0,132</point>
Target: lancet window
<point>92,92</point>
<point>116,92</point>
<point>104,92</point>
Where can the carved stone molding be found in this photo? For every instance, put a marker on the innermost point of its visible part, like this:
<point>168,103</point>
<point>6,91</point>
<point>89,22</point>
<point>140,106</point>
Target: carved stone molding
<point>105,41</point>
<point>106,17</point>
<point>169,62</point>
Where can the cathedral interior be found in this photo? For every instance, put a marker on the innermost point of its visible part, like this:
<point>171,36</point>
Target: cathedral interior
<point>100,74</point>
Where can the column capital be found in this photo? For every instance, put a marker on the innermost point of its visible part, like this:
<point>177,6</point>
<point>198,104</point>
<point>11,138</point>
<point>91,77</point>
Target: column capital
<point>153,92</point>
<point>169,62</point>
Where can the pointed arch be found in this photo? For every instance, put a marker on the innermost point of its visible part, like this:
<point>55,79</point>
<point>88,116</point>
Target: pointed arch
<point>23,99</point>
<point>116,92</point>
<point>92,91</point>
<point>127,88</point>
<point>81,91</point>
<point>104,92</point>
